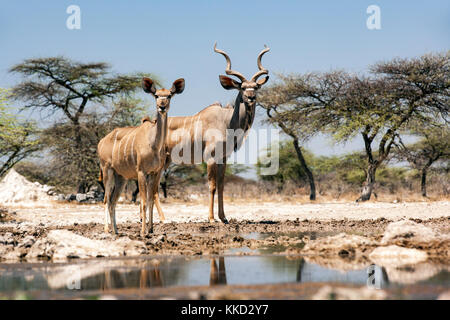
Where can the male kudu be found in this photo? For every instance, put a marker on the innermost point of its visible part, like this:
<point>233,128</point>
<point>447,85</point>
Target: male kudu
<point>208,130</point>
<point>137,153</point>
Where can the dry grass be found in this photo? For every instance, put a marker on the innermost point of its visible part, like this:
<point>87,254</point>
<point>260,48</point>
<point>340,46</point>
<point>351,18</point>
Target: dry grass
<point>241,190</point>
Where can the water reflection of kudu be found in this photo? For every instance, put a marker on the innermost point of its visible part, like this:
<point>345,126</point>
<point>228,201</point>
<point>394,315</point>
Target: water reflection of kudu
<point>217,275</point>
<point>151,278</point>
<point>300,269</point>
<point>148,275</point>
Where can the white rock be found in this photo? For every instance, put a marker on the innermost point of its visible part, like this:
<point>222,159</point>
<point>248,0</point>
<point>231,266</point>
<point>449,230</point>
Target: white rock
<point>17,190</point>
<point>81,197</point>
<point>337,242</point>
<point>407,230</point>
<point>63,244</point>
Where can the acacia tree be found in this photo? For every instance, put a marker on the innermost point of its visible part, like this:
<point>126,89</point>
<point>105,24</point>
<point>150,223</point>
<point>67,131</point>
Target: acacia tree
<point>401,90</point>
<point>366,108</point>
<point>17,138</point>
<point>60,85</point>
<point>376,107</point>
<point>434,145</point>
<point>297,104</point>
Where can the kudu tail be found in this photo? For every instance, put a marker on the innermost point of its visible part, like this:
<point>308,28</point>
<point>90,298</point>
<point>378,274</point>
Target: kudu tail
<point>100,181</point>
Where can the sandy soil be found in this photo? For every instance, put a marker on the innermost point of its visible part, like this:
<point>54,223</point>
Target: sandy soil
<point>64,215</point>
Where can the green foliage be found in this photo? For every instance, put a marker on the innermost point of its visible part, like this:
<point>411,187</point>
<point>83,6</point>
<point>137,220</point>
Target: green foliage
<point>17,138</point>
<point>289,165</point>
<point>348,168</point>
<point>126,111</point>
<point>433,145</point>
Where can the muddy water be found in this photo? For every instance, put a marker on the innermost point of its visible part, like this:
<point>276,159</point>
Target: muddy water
<point>80,277</point>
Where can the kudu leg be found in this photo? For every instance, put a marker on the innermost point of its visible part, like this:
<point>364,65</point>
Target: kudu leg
<point>142,182</point>
<point>108,181</point>
<point>119,183</point>
<point>212,182</point>
<point>152,188</point>
<point>114,184</point>
<point>157,203</point>
<point>220,185</point>
<point>158,207</point>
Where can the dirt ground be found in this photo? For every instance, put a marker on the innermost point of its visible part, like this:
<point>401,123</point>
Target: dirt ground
<point>67,214</point>
<point>274,227</point>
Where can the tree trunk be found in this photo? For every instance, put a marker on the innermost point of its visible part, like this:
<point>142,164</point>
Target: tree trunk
<point>164,188</point>
<point>424,182</point>
<point>81,188</point>
<point>309,175</point>
<point>369,183</point>
<point>135,193</point>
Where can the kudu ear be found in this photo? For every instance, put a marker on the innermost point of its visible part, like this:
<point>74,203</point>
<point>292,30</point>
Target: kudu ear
<point>178,86</point>
<point>228,83</point>
<point>148,85</point>
<point>262,81</point>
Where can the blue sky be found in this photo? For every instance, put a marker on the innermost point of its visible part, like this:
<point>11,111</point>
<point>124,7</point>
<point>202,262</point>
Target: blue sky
<point>175,39</point>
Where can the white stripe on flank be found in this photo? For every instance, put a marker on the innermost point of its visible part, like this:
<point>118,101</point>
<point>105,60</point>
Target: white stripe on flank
<point>132,150</point>
<point>197,122</point>
<point>190,127</point>
<point>120,145</point>
<point>114,145</point>
<point>125,149</point>
<point>184,127</point>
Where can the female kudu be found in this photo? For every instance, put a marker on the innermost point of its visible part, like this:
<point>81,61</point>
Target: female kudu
<point>137,153</point>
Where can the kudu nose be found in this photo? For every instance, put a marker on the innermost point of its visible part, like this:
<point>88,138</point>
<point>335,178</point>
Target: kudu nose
<point>162,104</point>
